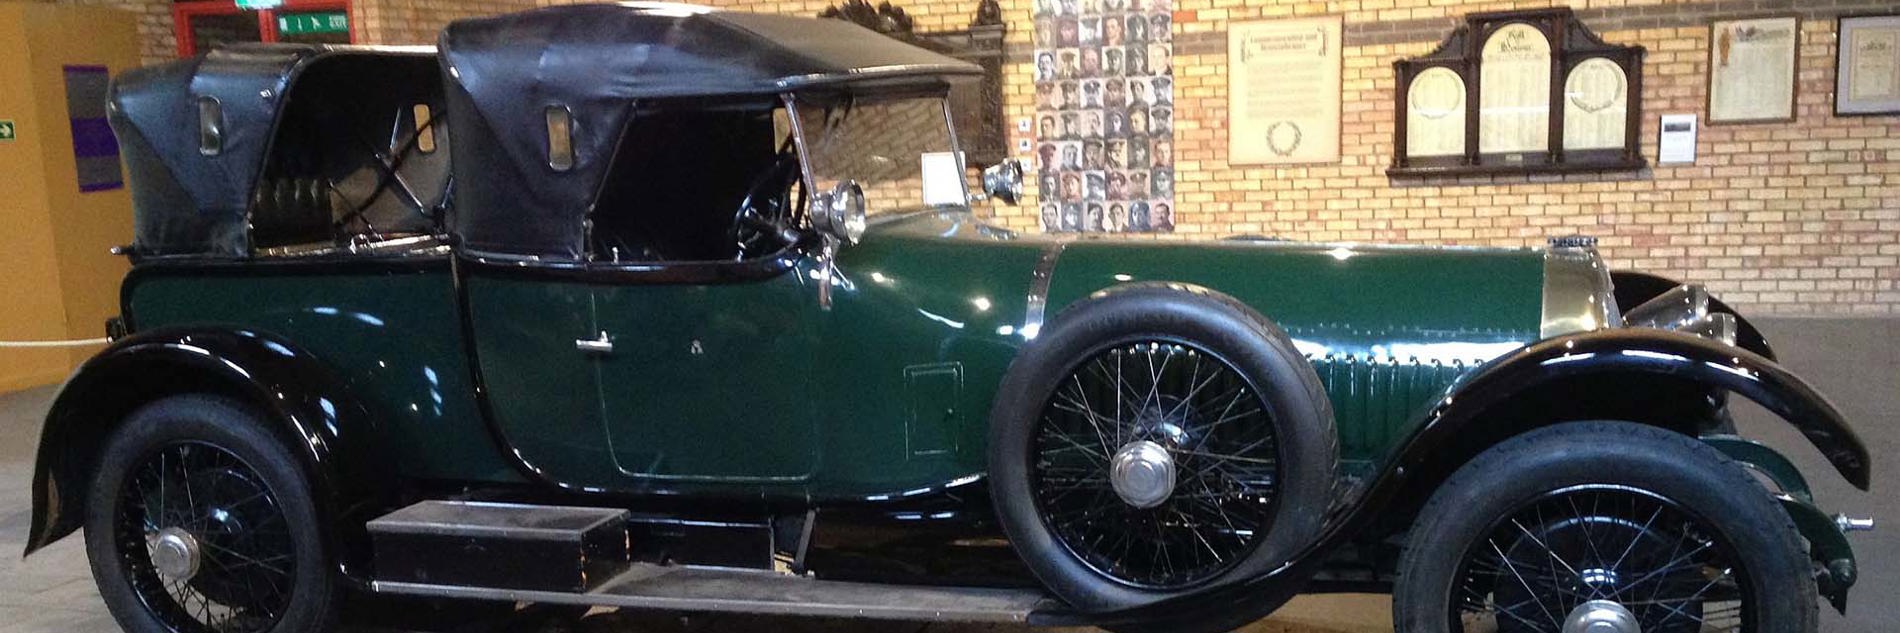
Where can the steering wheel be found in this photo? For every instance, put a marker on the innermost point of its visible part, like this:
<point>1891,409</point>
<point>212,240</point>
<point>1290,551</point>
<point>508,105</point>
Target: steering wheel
<point>764,219</point>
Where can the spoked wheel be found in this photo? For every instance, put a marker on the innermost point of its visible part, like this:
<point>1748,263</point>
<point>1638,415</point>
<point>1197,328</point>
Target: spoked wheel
<point>1602,558</point>
<point>200,521</point>
<point>1156,440</point>
<point>203,542</point>
<point>1603,527</point>
<point>1157,464</point>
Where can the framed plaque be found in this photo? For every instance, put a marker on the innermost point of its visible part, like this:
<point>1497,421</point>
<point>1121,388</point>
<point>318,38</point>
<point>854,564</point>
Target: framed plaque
<point>1435,113</point>
<point>1752,69</point>
<point>1514,90</point>
<point>1283,86</point>
<point>1519,91</point>
<point>1867,66</point>
<point>1596,105</point>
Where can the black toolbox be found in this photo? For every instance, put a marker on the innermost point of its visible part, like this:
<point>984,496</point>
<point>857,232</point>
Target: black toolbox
<point>500,545</point>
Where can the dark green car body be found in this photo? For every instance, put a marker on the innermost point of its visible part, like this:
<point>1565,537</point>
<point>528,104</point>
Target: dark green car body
<point>751,387</point>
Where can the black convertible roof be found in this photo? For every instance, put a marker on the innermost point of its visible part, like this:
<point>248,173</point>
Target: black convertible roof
<point>644,50</point>
<point>495,79</point>
<point>504,73</point>
<point>190,202</point>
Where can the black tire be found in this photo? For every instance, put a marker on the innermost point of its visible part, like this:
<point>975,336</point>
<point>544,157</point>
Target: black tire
<point>1640,484</point>
<point>279,581</point>
<point>1213,327</point>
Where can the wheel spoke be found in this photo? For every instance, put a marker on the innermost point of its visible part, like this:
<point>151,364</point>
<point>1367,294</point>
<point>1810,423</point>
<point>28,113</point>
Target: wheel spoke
<point>1555,552</point>
<point>1208,422</point>
<point>1527,584</point>
<point>208,494</point>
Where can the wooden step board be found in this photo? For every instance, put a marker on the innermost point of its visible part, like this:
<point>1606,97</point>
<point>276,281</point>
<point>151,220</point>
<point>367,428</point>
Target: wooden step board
<point>645,586</point>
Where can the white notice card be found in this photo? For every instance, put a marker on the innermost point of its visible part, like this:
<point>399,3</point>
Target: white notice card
<point>943,179</point>
<point>1678,139</point>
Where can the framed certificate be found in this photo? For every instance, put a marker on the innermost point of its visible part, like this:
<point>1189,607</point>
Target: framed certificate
<point>1867,66</point>
<point>1752,69</point>
<point>1283,87</point>
<point>1526,91</point>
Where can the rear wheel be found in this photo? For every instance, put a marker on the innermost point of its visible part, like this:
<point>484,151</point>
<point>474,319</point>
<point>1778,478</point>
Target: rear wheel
<point>1157,441</point>
<point>201,520</point>
<point>1616,526</point>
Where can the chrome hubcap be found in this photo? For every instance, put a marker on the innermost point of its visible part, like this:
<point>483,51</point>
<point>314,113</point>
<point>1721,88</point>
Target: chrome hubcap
<point>1601,616</point>
<point>175,554</point>
<point>1142,474</point>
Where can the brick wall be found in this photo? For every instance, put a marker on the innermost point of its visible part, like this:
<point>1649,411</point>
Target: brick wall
<point>157,42</point>
<point>419,21</point>
<point>375,21</point>
<point>1793,218</point>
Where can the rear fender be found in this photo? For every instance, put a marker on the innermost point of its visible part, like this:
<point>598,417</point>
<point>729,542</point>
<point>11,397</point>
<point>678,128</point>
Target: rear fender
<point>308,407</point>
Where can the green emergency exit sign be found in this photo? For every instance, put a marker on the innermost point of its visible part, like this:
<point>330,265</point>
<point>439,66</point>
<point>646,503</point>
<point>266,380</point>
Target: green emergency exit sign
<point>7,131</point>
<point>313,23</point>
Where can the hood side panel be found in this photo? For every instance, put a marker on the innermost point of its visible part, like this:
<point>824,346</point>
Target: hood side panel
<point>1386,328</point>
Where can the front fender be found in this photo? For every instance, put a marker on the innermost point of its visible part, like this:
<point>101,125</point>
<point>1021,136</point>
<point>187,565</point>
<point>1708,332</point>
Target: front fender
<point>1431,452</point>
<point>310,408</point>
<point>1637,352</point>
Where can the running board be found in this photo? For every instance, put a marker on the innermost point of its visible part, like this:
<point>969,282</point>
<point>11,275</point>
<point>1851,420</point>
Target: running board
<point>647,586</point>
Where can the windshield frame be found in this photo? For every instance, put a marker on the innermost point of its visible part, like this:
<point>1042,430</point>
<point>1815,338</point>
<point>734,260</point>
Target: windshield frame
<point>803,141</point>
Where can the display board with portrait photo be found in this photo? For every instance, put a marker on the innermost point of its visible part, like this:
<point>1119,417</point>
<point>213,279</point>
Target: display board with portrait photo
<point>1105,115</point>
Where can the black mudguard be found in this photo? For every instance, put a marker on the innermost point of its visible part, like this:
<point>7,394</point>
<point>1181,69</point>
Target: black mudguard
<point>313,412</point>
<point>1428,455</point>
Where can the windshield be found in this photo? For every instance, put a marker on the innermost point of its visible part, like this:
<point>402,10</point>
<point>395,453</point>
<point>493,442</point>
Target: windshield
<point>884,145</point>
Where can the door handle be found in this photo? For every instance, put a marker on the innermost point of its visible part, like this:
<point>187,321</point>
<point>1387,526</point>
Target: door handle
<point>602,345</point>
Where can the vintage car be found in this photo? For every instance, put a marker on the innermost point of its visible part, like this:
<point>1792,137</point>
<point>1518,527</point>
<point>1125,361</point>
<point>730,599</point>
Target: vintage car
<point>584,307</point>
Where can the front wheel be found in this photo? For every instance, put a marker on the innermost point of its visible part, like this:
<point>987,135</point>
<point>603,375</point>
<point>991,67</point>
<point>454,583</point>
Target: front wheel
<point>1157,441</point>
<point>1605,527</point>
<point>200,520</point>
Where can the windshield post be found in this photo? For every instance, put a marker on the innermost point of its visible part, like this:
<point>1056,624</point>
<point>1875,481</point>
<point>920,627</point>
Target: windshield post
<point>956,145</point>
<point>804,152</point>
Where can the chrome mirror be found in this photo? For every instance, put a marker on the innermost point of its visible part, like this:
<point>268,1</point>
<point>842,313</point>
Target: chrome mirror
<point>1004,180</point>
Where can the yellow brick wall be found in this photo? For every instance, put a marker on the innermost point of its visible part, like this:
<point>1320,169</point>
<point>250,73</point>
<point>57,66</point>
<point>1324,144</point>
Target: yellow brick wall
<point>375,21</point>
<point>157,41</point>
<point>1794,218</point>
<point>1790,218</point>
<point>418,21</point>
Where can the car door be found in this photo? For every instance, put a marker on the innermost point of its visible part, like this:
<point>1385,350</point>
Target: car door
<point>709,381</point>
<point>541,392</point>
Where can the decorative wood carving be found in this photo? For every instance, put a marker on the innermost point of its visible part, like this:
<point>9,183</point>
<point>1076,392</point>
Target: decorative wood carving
<point>1588,79</point>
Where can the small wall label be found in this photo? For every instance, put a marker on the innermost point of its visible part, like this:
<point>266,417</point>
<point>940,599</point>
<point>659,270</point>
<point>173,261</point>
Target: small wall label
<point>313,23</point>
<point>7,131</point>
